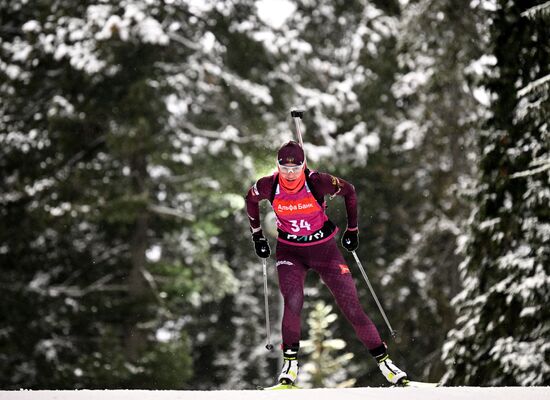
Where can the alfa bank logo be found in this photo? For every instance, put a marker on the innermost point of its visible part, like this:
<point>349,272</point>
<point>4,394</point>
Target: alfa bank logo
<point>289,207</point>
<point>294,207</point>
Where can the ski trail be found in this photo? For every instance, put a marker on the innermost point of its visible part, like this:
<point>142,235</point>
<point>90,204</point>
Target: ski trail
<point>447,393</point>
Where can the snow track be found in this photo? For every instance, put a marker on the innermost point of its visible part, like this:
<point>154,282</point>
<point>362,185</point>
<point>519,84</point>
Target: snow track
<point>443,393</point>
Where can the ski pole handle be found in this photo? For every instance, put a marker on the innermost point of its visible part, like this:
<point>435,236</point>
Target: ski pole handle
<point>296,113</point>
<point>392,331</point>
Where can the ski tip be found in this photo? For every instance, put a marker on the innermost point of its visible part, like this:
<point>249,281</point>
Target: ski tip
<point>279,386</point>
<point>417,384</point>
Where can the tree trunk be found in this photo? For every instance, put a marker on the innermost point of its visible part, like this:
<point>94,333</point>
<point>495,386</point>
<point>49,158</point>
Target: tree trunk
<point>137,286</point>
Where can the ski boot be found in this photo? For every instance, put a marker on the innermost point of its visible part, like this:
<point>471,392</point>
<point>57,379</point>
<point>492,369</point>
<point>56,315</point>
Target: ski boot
<point>390,371</point>
<point>289,372</point>
<point>393,374</point>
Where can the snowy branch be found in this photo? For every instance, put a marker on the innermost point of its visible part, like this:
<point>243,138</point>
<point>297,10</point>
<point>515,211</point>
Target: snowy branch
<point>530,172</point>
<point>154,288</point>
<point>65,168</point>
<point>170,212</point>
<point>257,93</point>
<point>537,86</point>
<point>540,11</point>
<point>184,41</point>
<point>76,291</point>
<point>224,135</point>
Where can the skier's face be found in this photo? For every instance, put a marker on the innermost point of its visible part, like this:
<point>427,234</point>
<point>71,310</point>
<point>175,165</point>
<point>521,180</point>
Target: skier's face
<point>291,172</point>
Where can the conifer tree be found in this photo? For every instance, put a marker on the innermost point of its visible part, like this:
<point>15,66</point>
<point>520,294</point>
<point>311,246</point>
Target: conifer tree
<point>323,367</point>
<point>121,168</point>
<point>502,326</point>
<point>440,46</point>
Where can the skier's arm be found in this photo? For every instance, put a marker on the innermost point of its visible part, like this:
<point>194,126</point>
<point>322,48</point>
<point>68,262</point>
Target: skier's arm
<point>334,186</point>
<point>261,190</point>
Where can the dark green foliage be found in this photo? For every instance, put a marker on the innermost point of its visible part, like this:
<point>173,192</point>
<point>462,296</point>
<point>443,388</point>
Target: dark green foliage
<point>130,132</point>
<point>82,303</point>
<point>501,333</point>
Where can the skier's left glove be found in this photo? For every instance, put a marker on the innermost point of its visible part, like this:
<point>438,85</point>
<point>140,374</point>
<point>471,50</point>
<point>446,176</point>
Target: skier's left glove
<point>350,240</point>
<point>261,245</point>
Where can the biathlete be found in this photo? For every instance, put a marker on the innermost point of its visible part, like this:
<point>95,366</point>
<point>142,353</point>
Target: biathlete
<point>306,240</point>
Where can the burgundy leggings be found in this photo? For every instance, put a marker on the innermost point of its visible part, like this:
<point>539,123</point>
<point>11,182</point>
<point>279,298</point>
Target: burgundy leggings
<point>293,263</point>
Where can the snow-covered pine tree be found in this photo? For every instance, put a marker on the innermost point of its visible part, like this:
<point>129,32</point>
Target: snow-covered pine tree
<point>324,368</point>
<point>440,44</point>
<point>503,324</point>
<point>535,95</point>
<point>125,128</point>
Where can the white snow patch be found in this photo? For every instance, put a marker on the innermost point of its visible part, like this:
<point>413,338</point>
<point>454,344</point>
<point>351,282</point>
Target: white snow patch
<point>482,96</point>
<point>200,7</point>
<point>275,12</point>
<point>488,5</point>
<point>208,42</point>
<point>258,93</point>
<point>154,253</point>
<point>410,133</point>
<point>31,26</point>
<point>455,393</point>
<point>410,82</point>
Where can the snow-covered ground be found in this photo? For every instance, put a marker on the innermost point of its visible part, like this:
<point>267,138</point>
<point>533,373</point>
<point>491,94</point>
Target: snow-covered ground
<point>443,393</point>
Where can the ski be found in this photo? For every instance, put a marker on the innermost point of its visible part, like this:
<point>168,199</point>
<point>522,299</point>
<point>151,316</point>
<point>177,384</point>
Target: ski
<point>404,383</point>
<point>279,386</point>
<point>416,384</point>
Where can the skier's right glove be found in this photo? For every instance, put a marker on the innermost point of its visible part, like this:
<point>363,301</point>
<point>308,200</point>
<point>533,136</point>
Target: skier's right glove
<point>261,245</point>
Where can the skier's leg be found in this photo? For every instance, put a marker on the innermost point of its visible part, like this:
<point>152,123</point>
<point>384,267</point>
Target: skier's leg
<point>292,275</point>
<point>337,276</point>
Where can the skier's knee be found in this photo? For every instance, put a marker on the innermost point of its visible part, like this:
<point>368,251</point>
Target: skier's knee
<point>294,302</point>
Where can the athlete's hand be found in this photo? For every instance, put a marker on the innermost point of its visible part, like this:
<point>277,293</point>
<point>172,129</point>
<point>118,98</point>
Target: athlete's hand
<point>350,240</point>
<point>261,245</point>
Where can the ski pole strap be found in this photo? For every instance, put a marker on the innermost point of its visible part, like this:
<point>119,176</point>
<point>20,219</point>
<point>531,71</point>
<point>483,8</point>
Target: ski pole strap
<point>379,353</point>
<point>392,331</point>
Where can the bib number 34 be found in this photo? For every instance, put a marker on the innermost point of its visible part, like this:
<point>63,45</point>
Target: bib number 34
<point>299,225</point>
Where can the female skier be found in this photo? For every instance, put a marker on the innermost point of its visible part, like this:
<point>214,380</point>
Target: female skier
<point>306,240</point>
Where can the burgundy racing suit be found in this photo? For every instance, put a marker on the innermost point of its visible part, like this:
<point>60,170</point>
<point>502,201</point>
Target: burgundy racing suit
<point>306,241</point>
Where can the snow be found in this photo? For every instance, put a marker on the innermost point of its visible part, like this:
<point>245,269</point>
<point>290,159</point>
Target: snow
<point>154,253</point>
<point>489,5</point>
<point>275,12</point>
<point>482,96</point>
<point>448,393</point>
<point>258,93</point>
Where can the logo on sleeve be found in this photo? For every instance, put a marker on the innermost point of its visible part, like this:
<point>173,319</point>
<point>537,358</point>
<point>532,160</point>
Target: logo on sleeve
<point>344,269</point>
<point>336,183</point>
<point>283,262</point>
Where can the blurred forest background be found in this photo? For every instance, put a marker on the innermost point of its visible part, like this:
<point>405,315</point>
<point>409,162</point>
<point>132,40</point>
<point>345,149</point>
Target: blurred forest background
<point>130,132</point>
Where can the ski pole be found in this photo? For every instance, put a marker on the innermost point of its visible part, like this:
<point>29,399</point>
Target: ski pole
<point>268,346</point>
<point>297,115</point>
<point>393,333</point>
